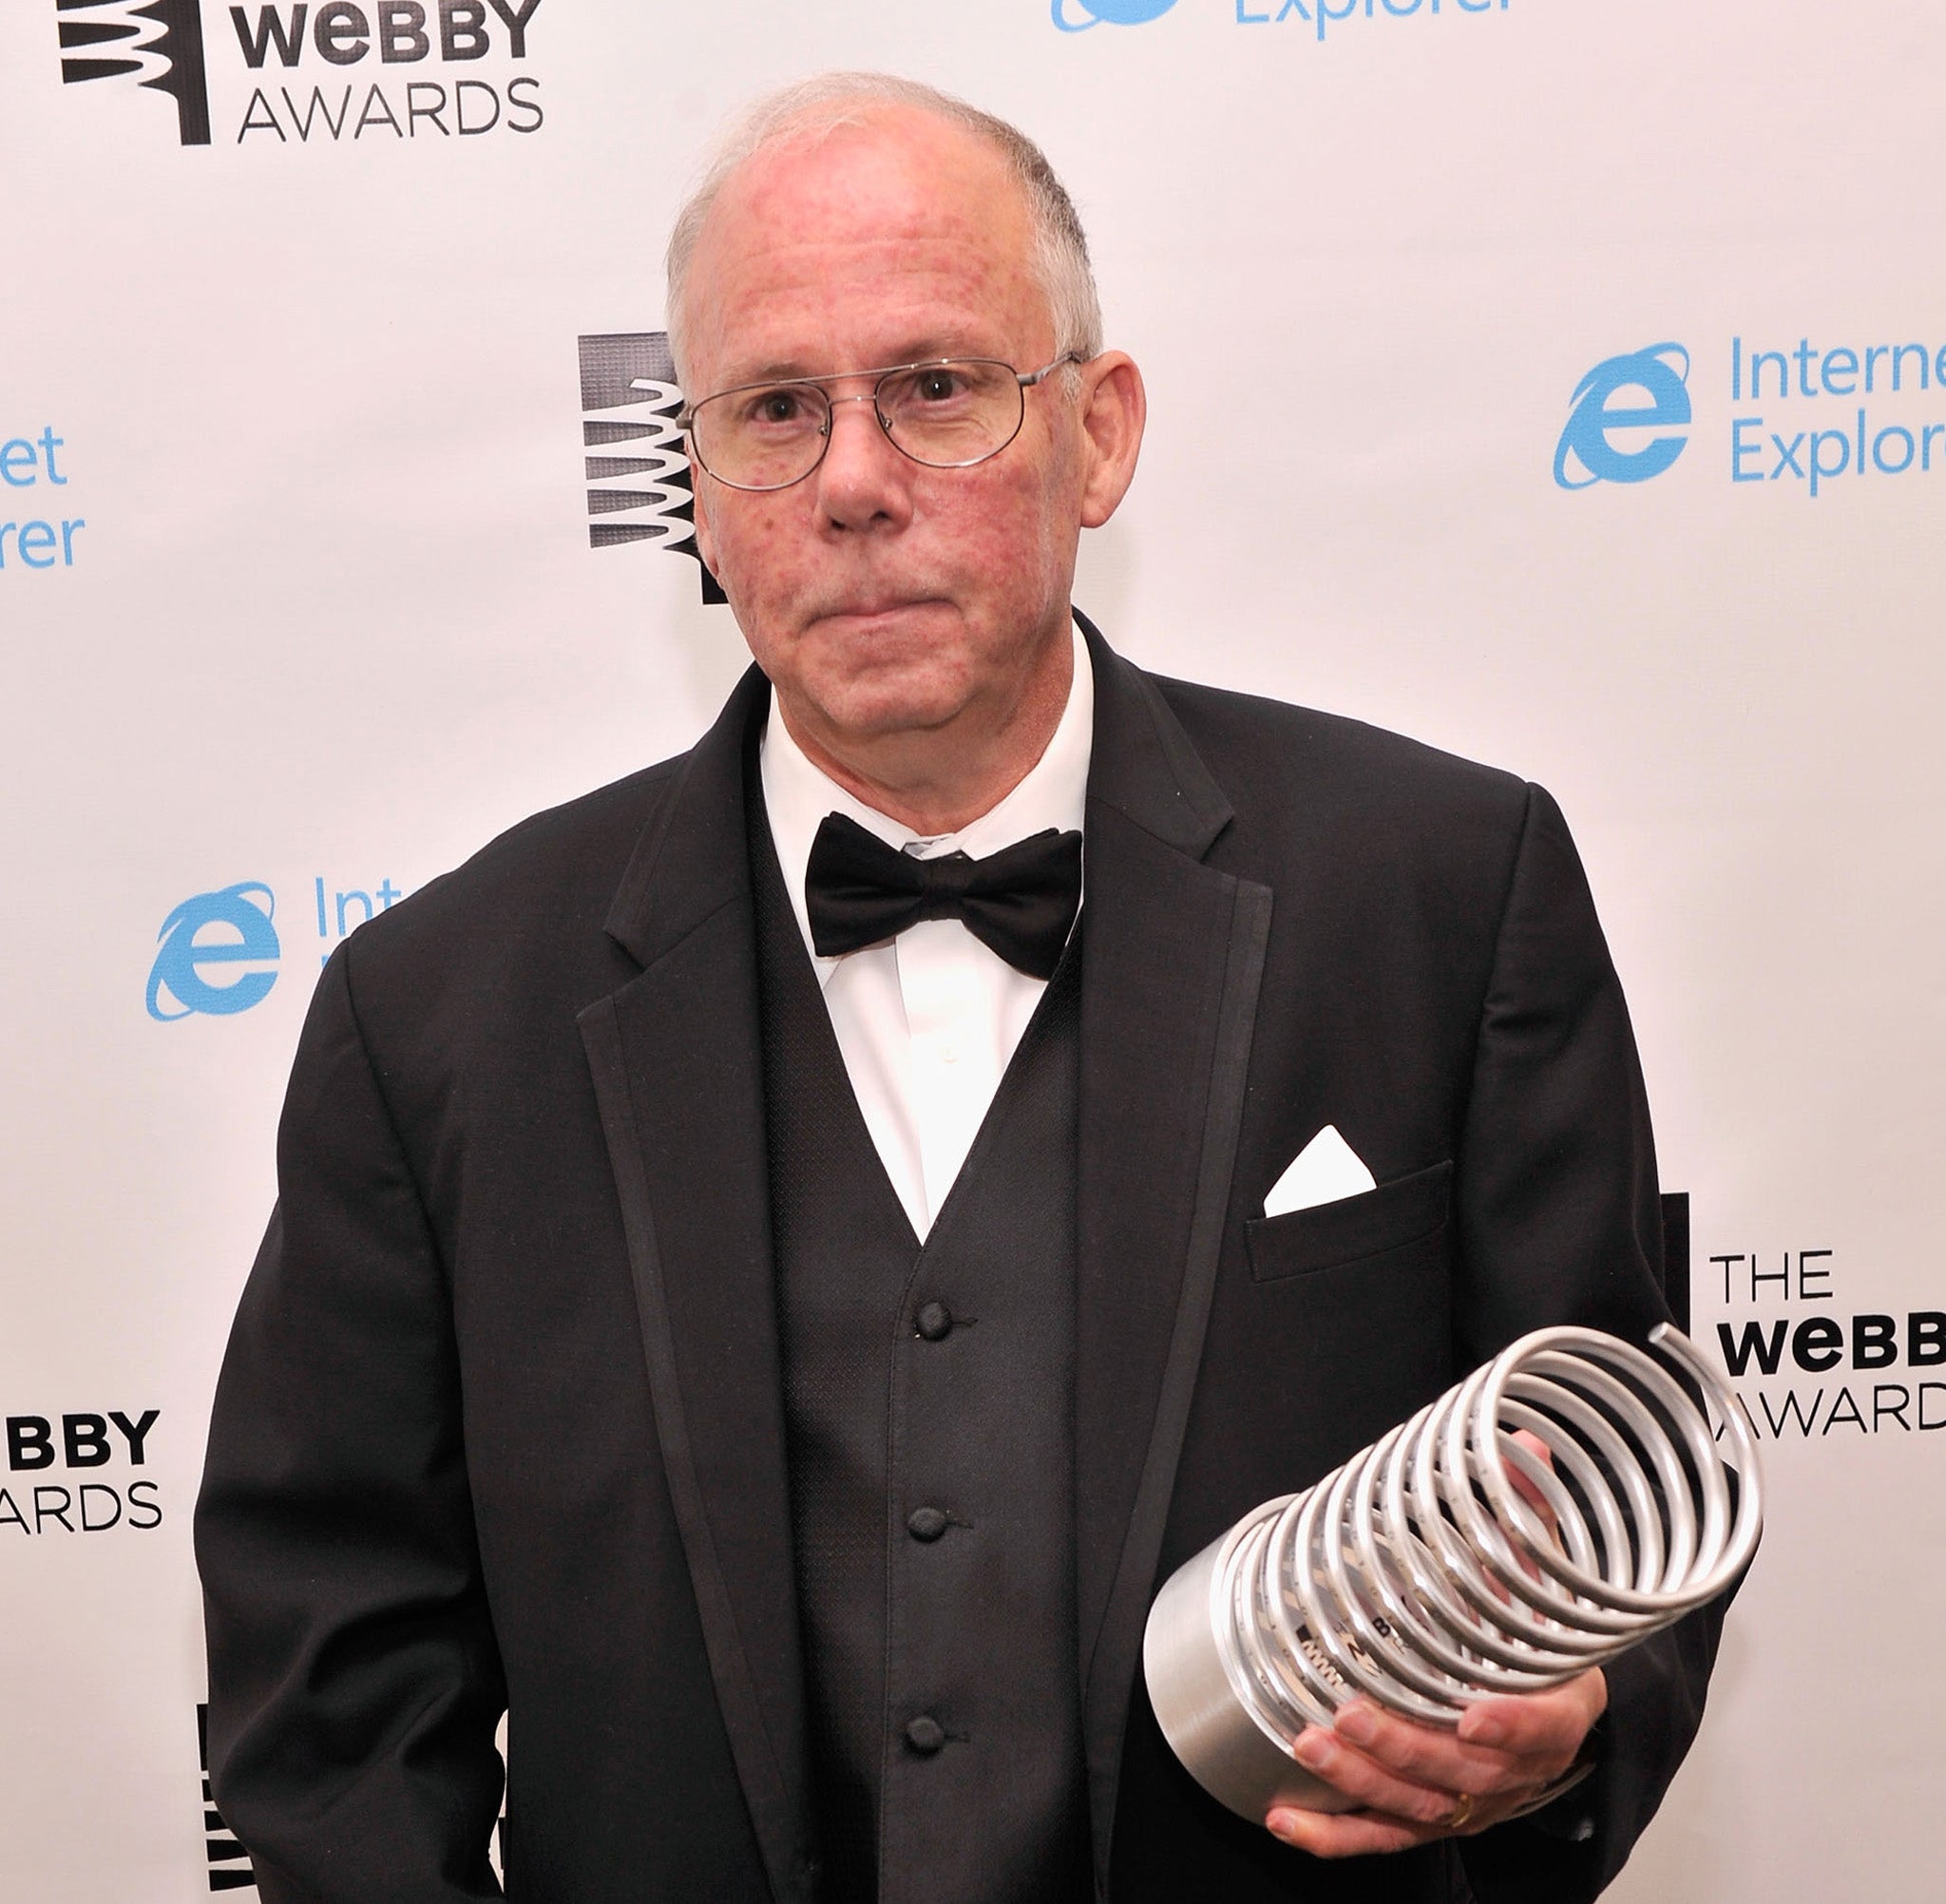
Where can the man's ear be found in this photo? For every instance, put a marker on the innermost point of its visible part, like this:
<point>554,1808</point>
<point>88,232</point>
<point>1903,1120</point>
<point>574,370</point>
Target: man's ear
<point>705,540</point>
<point>1113,407</point>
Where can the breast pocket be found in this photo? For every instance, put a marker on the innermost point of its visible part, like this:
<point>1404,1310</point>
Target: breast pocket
<point>1354,1229</point>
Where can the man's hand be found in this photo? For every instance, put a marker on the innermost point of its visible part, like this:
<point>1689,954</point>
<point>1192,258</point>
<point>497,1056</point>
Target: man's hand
<point>1414,1784</point>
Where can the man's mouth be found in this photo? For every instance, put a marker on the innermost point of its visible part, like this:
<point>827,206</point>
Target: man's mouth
<point>874,609</point>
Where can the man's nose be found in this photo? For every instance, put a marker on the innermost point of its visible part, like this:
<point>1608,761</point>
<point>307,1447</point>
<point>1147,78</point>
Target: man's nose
<point>865,478</point>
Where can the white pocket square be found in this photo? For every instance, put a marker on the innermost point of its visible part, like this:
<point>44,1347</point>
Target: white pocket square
<point>1327,1170</point>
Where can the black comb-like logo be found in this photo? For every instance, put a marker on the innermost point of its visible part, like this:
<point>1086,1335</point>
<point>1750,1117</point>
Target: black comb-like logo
<point>229,1863</point>
<point>162,40</point>
<point>641,492</point>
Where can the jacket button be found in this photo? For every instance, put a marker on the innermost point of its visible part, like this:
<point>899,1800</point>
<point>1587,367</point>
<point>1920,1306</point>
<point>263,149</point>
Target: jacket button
<point>925,1735</point>
<point>935,1322</point>
<point>926,1523</point>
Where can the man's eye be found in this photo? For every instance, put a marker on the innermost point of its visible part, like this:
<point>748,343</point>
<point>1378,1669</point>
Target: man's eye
<point>776,407</point>
<point>939,386</point>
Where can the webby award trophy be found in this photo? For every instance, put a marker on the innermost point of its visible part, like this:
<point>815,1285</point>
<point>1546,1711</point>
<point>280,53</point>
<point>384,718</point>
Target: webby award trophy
<point>1421,1576</point>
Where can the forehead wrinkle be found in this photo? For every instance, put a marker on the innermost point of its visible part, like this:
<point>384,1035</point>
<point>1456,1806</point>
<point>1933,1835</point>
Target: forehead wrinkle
<point>809,262</point>
<point>782,310</point>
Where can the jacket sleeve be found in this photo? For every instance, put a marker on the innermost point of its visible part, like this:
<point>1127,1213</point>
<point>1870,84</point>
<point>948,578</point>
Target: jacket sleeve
<point>1560,1219</point>
<point>354,1682</point>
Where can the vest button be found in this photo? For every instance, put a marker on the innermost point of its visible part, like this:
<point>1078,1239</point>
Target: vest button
<point>935,1322</point>
<point>926,1523</point>
<point>925,1735</point>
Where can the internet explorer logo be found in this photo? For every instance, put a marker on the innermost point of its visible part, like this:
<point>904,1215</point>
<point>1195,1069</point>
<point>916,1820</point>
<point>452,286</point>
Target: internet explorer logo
<point>1587,447</point>
<point>230,928</point>
<point>1117,12</point>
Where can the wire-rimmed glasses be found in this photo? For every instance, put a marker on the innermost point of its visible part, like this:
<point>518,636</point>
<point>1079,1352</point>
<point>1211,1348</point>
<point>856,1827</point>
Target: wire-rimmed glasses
<point>947,413</point>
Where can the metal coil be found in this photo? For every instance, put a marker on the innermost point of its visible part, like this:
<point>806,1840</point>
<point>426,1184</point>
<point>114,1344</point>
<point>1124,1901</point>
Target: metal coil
<point>1419,1575</point>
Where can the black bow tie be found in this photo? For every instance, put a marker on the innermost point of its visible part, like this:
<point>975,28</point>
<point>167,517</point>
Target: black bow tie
<point>1020,902</point>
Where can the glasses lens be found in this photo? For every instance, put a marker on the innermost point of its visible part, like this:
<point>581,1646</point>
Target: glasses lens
<point>952,414</point>
<point>764,438</point>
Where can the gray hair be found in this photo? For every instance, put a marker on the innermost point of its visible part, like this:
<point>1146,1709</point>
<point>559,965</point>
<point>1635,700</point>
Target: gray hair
<point>818,106</point>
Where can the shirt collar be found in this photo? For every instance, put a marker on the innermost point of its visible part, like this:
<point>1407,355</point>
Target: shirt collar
<point>1054,793</point>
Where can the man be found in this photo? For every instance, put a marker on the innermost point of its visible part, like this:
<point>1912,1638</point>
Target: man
<point>770,1312</point>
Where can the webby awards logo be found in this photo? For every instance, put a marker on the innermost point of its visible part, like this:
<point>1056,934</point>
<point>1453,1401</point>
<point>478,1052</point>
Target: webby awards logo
<point>53,1450</point>
<point>159,44</point>
<point>640,484</point>
<point>303,74</point>
<point>229,1862</point>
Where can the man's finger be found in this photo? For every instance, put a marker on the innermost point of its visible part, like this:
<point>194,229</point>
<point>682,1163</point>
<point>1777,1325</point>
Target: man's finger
<point>1375,1786</point>
<point>1445,1762</point>
<point>1543,1725</point>
<point>1405,1780</point>
<point>1527,1490</point>
<point>1343,1834</point>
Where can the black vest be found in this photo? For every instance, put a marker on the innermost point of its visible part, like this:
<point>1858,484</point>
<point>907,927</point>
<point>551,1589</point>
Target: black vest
<point>929,1396</point>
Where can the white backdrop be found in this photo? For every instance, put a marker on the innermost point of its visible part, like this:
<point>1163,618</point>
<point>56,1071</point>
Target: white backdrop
<point>315,612</point>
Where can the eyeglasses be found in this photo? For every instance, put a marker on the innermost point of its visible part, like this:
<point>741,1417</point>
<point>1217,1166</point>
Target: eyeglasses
<point>948,413</point>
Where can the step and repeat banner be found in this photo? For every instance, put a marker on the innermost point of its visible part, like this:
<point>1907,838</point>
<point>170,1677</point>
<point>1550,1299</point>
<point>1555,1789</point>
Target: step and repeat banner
<point>1560,381</point>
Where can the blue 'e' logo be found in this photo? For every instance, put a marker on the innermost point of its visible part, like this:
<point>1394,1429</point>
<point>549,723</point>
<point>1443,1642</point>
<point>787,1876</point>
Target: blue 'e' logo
<point>1117,12</point>
<point>215,928</point>
<point>1592,420</point>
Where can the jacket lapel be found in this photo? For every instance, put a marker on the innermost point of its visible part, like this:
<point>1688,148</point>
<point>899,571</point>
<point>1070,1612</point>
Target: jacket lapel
<point>678,1078</point>
<point>1174,956</point>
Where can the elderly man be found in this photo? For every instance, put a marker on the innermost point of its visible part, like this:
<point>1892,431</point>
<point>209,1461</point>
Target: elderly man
<point>769,1312</point>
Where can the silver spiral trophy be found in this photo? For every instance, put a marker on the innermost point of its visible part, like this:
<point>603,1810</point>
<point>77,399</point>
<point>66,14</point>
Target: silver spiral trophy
<point>1418,1574</point>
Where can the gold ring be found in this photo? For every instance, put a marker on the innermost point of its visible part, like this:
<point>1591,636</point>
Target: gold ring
<point>1462,1810</point>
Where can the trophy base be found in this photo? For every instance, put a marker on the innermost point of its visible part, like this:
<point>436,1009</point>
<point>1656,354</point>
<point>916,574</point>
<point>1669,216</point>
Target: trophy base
<point>1226,1750</point>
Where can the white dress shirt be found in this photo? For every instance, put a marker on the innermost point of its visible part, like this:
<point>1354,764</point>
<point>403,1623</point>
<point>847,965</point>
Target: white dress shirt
<point>927,1022</point>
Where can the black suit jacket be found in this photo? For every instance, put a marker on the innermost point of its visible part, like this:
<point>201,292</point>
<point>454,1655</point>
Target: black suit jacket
<point>500,1420</point>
